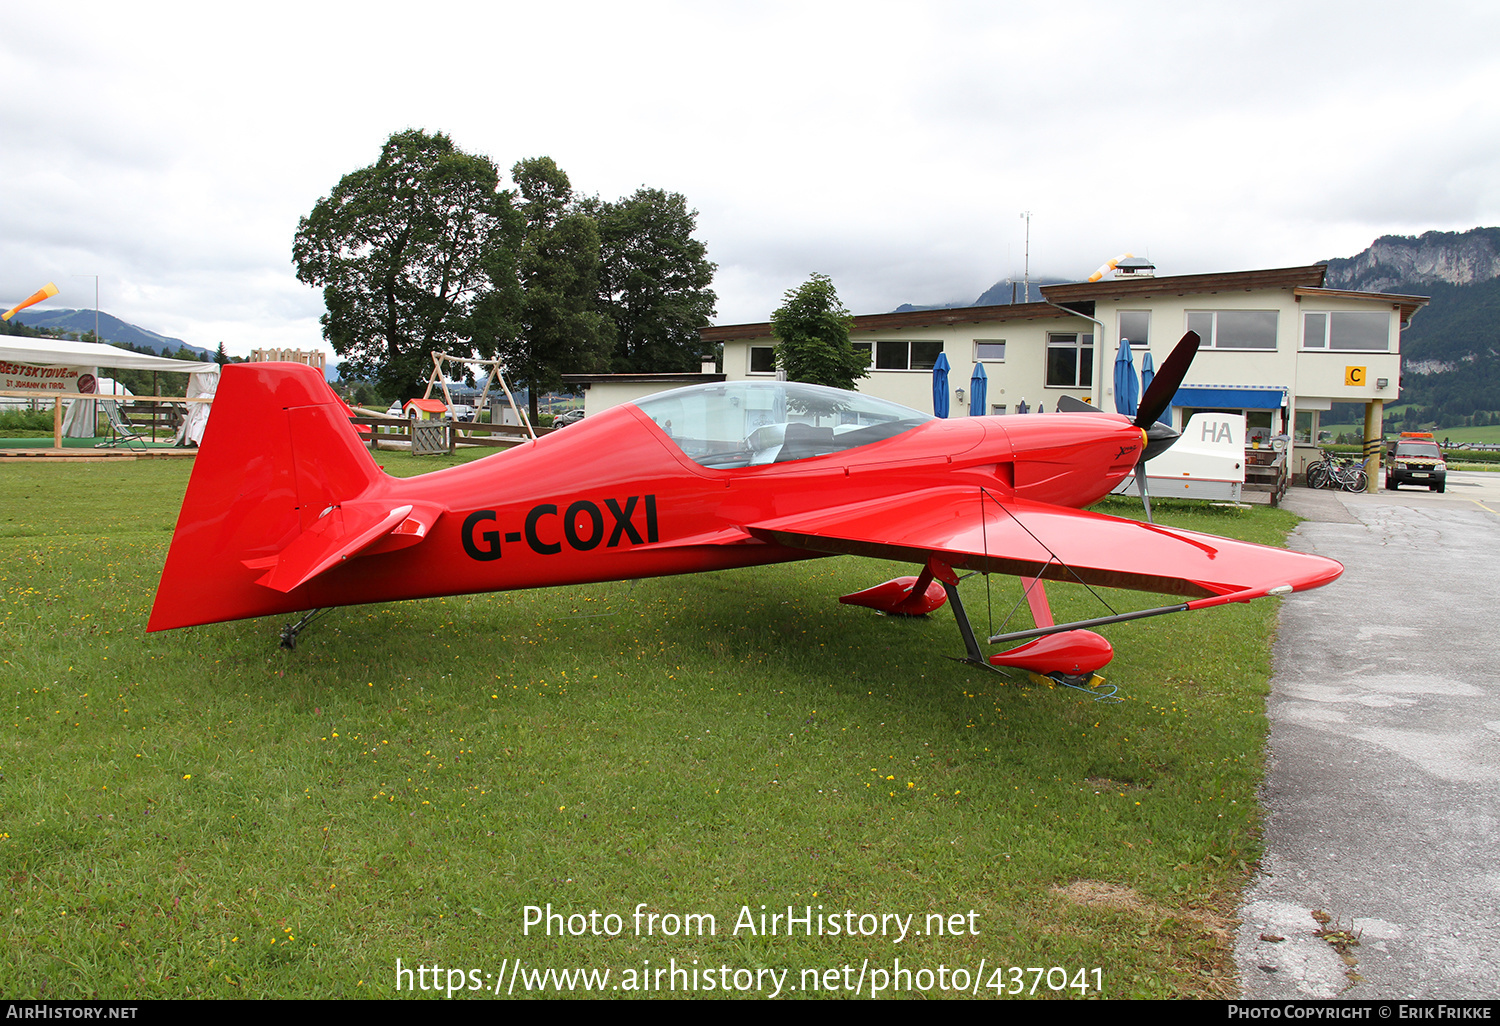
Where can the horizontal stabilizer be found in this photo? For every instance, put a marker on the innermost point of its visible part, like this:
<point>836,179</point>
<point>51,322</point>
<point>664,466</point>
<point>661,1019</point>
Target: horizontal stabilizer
<point>344,532</point>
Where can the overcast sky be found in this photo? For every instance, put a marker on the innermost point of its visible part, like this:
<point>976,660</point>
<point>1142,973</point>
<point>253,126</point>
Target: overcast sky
<point>171,149</point>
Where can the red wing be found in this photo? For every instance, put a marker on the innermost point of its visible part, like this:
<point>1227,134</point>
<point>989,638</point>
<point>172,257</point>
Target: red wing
<point>972,530</point>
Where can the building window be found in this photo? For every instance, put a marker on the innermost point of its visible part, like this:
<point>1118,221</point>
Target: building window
<point>1315,331</point>
<point>1070,360</point>
<point>1136,326</point>
<point>997,409</point>
<point>1234,329</point>
<point>906,355</point>
<point>1355,331</point>
<point>868,349</point>
<point>1305,427</point>
<point>989,350</point>
<point>762,359</point>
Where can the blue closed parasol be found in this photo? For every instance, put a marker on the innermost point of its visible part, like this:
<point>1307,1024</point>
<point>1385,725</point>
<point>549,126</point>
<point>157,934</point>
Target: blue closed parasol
<point>1127,386</point>
<point>979,384</point>
<point>940,386</point>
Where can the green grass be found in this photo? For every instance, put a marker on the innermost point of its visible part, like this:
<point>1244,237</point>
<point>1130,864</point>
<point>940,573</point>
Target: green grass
<point>1395,421</point>
<point>1489,434</point>
<point>198,813</point>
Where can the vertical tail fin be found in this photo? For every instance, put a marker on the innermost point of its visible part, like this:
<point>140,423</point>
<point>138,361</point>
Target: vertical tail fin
<point>277,453</point>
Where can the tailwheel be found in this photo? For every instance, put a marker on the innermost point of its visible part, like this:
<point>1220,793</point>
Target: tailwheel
<point>290,631</point>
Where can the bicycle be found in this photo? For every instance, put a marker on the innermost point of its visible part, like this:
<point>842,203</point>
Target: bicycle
<point>1337,472</point>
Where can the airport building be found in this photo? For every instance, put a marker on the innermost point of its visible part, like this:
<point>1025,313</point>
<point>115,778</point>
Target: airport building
<point>1277,346</point>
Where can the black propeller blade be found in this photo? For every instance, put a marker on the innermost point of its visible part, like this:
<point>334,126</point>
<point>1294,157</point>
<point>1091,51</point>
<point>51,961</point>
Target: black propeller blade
<point>1067,404</point>
<point>1157,398</point>
<point>1140,486</point>
<point>1164,386</point>
<point>1159,437</point>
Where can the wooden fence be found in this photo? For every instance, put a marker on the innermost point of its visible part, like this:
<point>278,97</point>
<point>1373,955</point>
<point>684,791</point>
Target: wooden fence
<point>159,409</point>
<point>399,429</point>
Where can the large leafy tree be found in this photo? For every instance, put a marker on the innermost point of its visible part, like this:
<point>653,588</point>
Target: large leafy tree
<point>654,281</point>
<point>412,254</point>
<point>812,332</point>
<point>560,329</point>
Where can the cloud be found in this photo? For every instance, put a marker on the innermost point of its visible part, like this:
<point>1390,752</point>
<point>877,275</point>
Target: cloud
<point>171,149</point>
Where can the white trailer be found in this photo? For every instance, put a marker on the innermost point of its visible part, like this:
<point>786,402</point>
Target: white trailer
<point>1207,462</point>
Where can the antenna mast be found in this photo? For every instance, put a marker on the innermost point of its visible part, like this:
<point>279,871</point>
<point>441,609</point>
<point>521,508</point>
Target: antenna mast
<point>1026,214</point>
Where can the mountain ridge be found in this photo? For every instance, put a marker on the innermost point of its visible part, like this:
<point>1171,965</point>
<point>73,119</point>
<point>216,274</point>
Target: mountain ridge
<point>998,294</point>
<point>111,330</point>
<point>1450,352</point>
<point>1394,262</point>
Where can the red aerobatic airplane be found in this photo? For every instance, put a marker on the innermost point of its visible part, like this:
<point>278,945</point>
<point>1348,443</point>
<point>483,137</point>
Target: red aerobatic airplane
<point>287,512</point>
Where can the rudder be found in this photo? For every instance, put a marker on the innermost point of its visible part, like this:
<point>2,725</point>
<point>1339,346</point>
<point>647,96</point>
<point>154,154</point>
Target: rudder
<point>278,451</point>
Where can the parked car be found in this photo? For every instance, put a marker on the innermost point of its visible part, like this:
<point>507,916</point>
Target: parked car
<point>1416,460</point>
<point>568,417</point>
<point>395,410</point>
<point>460,411</point>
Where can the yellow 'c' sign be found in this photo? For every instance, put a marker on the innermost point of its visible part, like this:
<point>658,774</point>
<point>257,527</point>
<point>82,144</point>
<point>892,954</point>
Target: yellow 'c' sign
<point>1354,375</point>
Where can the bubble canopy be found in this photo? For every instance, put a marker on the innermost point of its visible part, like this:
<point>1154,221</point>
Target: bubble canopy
<point>750,423</point>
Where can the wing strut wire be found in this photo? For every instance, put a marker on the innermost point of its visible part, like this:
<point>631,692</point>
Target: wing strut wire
<point>974,656</point>
<point>1114,617</point>
<point>1055,557</point>
<point>985,539</point>
<point>1025,592</point>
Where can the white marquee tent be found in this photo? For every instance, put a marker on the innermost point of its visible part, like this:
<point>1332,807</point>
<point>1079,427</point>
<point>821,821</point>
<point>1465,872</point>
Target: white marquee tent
<point>47,366</point>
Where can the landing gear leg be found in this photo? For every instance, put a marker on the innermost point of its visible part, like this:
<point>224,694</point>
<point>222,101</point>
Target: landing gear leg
<point>290,631</point>
<point>973,656</point>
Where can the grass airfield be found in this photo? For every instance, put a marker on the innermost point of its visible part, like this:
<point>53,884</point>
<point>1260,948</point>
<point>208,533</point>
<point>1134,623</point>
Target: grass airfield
<point>201,814</point>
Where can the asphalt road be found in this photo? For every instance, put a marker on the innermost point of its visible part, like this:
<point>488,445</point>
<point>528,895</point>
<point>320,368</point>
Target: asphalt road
<point>1383,776</point>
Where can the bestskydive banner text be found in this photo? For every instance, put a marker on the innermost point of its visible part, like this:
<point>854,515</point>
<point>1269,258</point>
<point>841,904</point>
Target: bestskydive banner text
<point>33,377</point>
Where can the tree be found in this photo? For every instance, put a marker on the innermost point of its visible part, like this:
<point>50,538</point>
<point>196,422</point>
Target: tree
<point>406,252</point>
<point>559,329</point>
<point>221,357</point>
<point>812,331</point>
<point>654,281</point>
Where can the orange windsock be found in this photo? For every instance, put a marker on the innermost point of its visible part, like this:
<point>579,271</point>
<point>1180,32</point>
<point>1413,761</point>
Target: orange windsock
<point>1107,266</point>
<point>45,292</point>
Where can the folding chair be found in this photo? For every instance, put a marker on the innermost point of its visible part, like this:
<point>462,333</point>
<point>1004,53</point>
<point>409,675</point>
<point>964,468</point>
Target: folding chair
<point>121,431</point>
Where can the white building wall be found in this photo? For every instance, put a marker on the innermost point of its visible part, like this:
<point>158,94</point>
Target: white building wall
<point>1020,375</point>
<point>1318,374</point>
<point>1326,372</point>
<point>1312,376</point>
<point>601,396</point>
